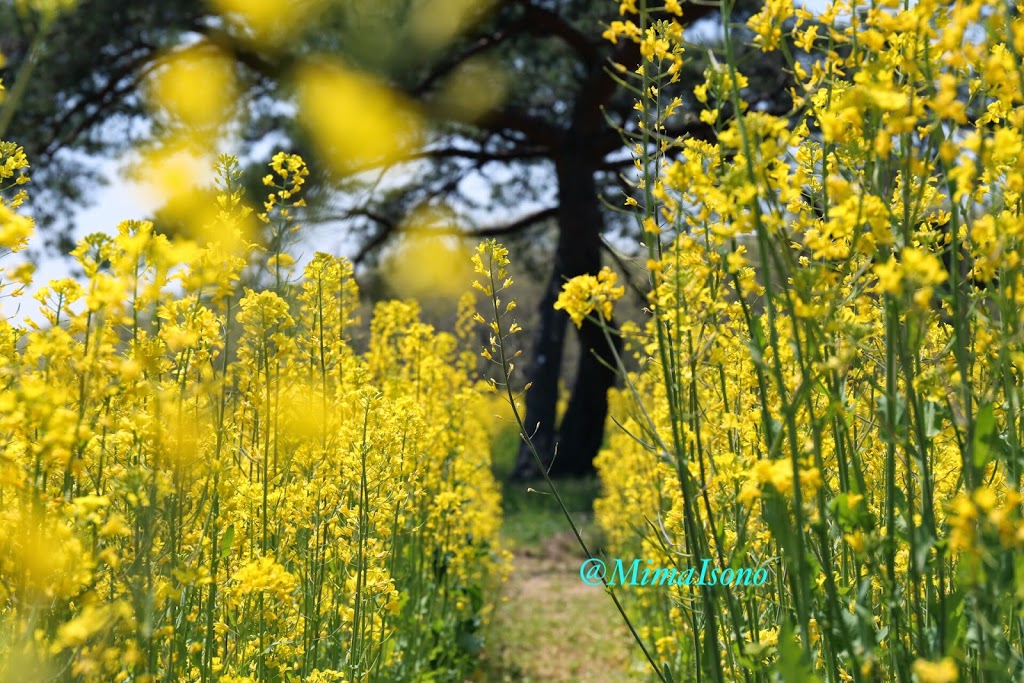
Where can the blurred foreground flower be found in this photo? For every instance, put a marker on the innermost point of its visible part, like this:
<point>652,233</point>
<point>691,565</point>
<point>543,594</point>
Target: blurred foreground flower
<point>356,120</point>
<point>429,262</point>
<point>195,86</point>
<point>267,22</point>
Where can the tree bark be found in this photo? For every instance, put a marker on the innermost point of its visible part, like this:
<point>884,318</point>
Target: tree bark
<point>582,429</point>
<point>542,398</point>
<point>578,252</point>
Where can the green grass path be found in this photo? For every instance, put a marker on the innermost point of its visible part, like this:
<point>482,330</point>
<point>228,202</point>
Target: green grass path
<point>550,626</point>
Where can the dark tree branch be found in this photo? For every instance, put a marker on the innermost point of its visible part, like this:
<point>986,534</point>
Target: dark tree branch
<point>544,22</point>
<point>115,89</point>
<point>260,63</point>
<point>387,225</point>
<point>536,130</point>
<point>615,164</point>
<point>453,62</point>
<point>387,228</point>
<point>515,226</point>
<point>477,154</point>
<point>536,21</point>
<point>481,156</point>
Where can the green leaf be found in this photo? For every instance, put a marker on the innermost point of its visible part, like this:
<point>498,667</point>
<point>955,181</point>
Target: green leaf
<point>792,666</point>
<point>757,342</point>
<point>984,426</point>
<point>849,518</point>
<point>956,623</point>
<point>226,540</point>
<point>923,543</point>
<point>933,415</point>
<point>899,423</point>
<point>776,517</point>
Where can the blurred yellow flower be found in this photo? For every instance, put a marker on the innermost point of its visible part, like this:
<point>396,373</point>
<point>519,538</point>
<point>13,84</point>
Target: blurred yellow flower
<point>943,671</point>
<point>195,86</point>
<point>426,264</point>
<point>267,22</point>
<point>357,121</point>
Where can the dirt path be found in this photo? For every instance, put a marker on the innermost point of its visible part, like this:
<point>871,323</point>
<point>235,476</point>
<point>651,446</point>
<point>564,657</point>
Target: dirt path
<point>553,627</point>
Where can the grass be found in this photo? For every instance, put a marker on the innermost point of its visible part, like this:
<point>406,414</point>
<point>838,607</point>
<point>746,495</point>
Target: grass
<point>531,512</point>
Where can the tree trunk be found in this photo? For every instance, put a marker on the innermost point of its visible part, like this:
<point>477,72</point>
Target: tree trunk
<point>542,398</point>
<point>578,252</point>
<point>582,429</point>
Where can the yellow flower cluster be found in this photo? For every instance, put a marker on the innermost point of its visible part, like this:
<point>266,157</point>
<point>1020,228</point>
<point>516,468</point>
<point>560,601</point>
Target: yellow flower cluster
<point>661,42</point>
<point>585,294</point>
<point>828,383</point>
<point>15,229</point>
<point>292,172</point>
<point>200,483</point>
